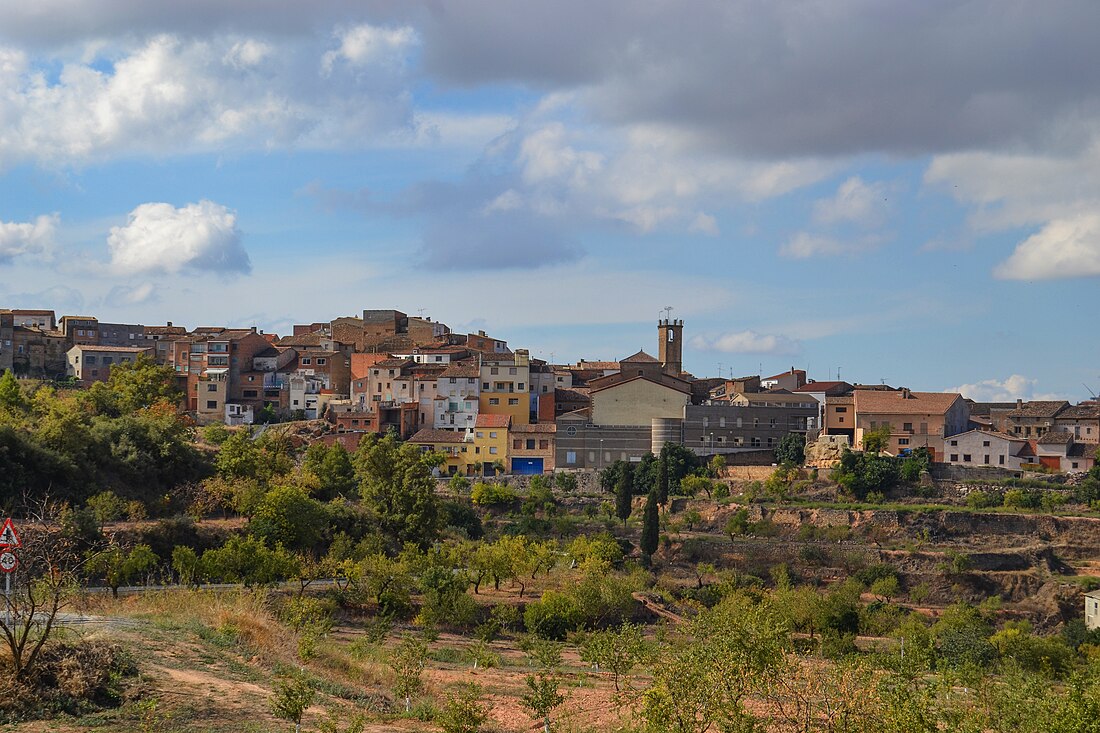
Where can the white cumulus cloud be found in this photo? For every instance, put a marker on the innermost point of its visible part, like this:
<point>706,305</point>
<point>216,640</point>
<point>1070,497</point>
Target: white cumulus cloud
<point>1013,387</point>
<point>160,238</point>
<point>365,44</point>
<point>747,342</point>
<point>855,201</point>
<point>1063,248</point>
<point>27,238</point>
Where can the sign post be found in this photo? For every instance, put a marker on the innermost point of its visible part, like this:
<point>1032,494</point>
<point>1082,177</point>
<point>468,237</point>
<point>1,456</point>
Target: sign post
<point>9,541</point>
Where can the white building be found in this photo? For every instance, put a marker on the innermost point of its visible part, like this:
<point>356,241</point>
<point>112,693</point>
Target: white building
<point>456,401</point>
<point>985,448</point>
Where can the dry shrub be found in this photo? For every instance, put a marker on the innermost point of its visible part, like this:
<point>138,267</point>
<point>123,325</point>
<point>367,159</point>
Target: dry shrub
<point>70,677</point>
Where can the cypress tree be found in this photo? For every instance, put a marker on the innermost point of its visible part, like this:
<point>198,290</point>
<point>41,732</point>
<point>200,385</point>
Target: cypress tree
<point>651,527</point>
<point>662,478</point>
<point>624,493</point>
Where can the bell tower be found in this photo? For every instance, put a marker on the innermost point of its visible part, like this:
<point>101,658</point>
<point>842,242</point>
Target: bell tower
<point>670,349</point>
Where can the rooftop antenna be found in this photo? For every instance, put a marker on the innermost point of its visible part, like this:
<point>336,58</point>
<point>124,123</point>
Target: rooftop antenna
<point>668,312</point>
<point>838,374</point>
<point>420,312</point>
<point>1089,389</point>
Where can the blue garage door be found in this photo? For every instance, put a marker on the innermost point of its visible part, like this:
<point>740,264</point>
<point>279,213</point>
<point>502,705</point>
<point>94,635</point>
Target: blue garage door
<point>526,465</point>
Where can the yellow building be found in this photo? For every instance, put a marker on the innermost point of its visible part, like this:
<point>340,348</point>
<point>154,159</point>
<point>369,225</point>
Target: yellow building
<point>456,449</point>
<point>506,386</point>
<point>491,441</point>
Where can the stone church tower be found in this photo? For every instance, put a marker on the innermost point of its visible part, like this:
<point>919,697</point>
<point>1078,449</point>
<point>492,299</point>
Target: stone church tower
<point>670,349</point>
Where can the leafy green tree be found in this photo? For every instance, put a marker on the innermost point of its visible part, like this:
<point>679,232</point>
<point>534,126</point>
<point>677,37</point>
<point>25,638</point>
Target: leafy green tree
<point>334,471</point>
<point>107,506</point>
<point>399,490</point>
<point>249,561</point>
<point>11,396</point>
<point>119,567</point>
<point>463,712</point>
<point>143,383</point>
<point>645,475</point>
<point>553,616</point>
<point>650,525</point>
<point>487,493</point>
<point>286,514</point>
<point>239,457</point>
<point>616,650</point>
<point>729,653</point>
<point>695,485</point>
<point>293,696</point>
<point>407,661</point>
<point>679,462</point>
<point>460,484</point>
<point>542,697</point>
<point>187,565</point>
<point>624,493</point>
<point>875,440</point>
<point>609,477</point>
<point>859,474</point>
<point>387,580</point>
<point>792,449</point>
<point>565,481</point>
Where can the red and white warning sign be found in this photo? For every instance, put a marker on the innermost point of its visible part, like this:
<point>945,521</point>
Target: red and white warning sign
<point>8,561</point>
<point>8,536</point>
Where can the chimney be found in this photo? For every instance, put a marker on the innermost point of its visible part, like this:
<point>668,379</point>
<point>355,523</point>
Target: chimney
<point>253,329</point>
<point>481,333</point>
<point>169,324</point>
<point>1019,403</point>
<point>906,394</point>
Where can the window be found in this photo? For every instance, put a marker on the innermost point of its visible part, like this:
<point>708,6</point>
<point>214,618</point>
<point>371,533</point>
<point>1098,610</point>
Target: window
<point>907,427</point>
<point>954,443</point>
<point>985,460</point>
<point>840,419</point>
<point>494,370</point>
<point>513,401</point>
<point>771,422</point>
<point>571,456</point>
<point>511,370</point>
<point>841,409</point>
<point>492,450</point>
<point>721,422</point>
<point>985,443</point>
<point>738,422</point>
<point>706,422</point>
<point>211,404</point>
<point>954,458</point>
<point>494,401</point>
<point>903,441</point>
<point>253,379</point>
<point>89,359</point>
<point>755,422</point>
<point>520,386</point>
<point>485,386</point>
<point>517,443</point>
<point>966,458</point>
<point>544,445</point>
<point>321,362</point>
<point>108,360</point>
<point>756,442</point>
<point>250,393</point>
<point>211,387</point>
<point>479,435</point>
<point>306,360</point>
<point>1074,464</point>
<point>530,444</point>
<point>492,434</point>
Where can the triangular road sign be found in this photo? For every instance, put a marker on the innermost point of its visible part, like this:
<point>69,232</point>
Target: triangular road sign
<point>8,536</point>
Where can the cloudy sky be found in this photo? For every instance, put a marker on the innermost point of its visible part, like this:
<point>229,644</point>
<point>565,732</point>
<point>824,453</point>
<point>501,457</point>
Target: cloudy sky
<point>907,192</point>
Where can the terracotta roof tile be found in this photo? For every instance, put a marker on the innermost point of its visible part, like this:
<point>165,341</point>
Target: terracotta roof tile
<point>896,403</point>
<point>429,436</point>
<point>1040,408</point>
<point>541,427</point>
<point>493,421</point>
